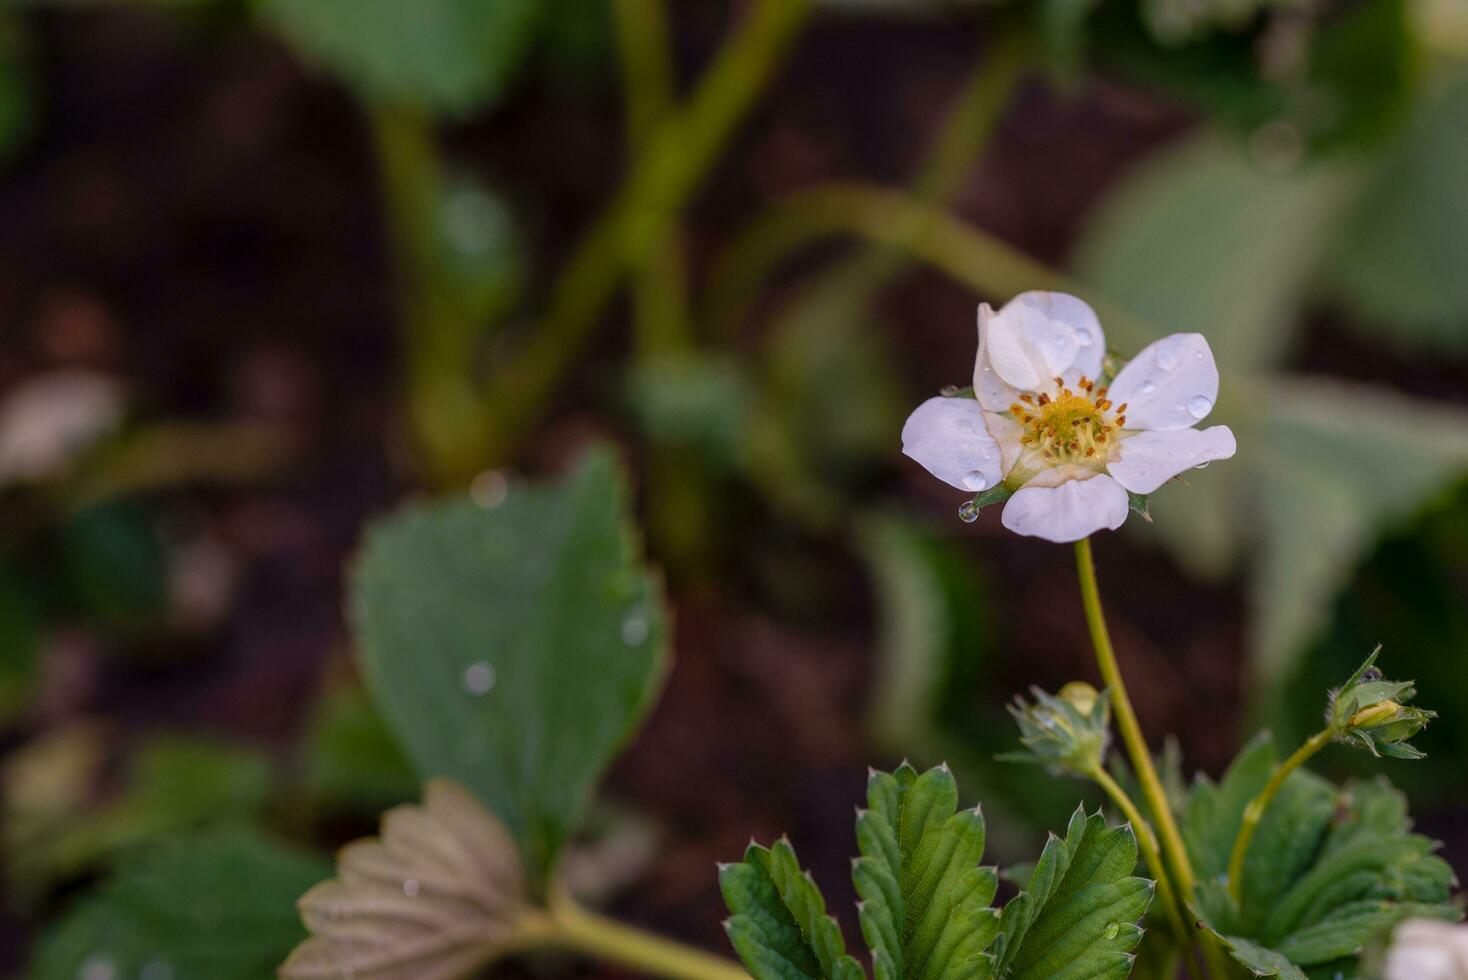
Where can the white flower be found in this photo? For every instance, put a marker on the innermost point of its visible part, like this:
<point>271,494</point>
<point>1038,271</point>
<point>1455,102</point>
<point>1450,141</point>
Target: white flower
<point>1426,949</point>
<point>47,420</point>
<point>1041,424</point>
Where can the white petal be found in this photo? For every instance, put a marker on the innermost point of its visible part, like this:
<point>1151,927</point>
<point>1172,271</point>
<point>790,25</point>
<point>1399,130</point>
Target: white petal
<point>1068,512</point>
<point>992,391</point>
<point>1147,460</point>
<point>947,436</point>
<point>1171,384</point>
<point>1006,432</point>
<point>1039,336</point>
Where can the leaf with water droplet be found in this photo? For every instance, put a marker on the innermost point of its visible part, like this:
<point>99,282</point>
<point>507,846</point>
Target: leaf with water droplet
<point>561,620</point>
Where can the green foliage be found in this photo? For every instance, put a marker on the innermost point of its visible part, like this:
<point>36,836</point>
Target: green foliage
<point>16,108</point>
<point>1397,264</point>
<point>20,642</point>
<point>115,564</point>
<point>514,648</point>
<point>171,783</point>
<point>1077,916</point>
<point>1329,870</point>
<point>925,902</point>
<point>211,905</point>
<point>450,56</point>
<point>350,757</point>
<point>779,924</point>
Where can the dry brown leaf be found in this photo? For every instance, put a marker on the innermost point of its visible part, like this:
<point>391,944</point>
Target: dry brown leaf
<point>438,895</point>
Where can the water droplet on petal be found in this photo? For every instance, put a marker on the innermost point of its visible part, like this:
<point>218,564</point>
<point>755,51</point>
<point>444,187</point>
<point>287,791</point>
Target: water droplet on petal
<point>1371,674</point>
<point>948,391</point>
<point>968,511</point>
<point>1202,465</point>
<point>1167,359</point>
<point>1148,387</point>
<point>988,456</point>
<point>974,480</point>
<point>1199,406</point>
<point>635,628</point>
<point>1083,338</point>
<point>478,678</point>
<point>410,887</point>
<point>1112,929</point>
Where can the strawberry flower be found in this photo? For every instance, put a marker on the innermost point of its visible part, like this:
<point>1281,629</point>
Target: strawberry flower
<point>1044,429</point>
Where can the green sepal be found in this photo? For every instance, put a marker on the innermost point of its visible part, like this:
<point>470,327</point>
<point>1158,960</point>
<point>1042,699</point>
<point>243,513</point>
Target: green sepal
<point>1140,503</point>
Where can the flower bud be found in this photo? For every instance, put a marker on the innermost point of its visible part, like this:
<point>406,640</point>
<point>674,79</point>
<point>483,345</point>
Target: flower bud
<point>1372,712</point>
<point>1068,733</point>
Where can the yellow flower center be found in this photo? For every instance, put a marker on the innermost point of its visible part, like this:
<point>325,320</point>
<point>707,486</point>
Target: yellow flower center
<point>1069,426</point>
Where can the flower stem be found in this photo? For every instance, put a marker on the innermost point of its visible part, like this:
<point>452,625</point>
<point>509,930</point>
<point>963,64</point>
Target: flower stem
<point>1136,746</point>
<point>1126,722</point>
<point>1254,812</point>
<point>576,928</point>
<point>1147,841</point>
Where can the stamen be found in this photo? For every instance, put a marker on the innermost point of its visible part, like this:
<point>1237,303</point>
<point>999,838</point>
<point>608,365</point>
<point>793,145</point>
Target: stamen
<point>1121,409</point>
<point>1044,398</point>
<point>1121,421</point>
<point>1027,398</point>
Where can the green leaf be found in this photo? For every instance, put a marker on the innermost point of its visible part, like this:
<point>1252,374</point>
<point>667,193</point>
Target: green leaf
<point>211,905</point>
<point>450,56</point>
<point>1213,812</point>
<point>1330,871</point>
<point>20,646</point>
<point>350,756</point>
<point>779,926</point>
<point>514,648</point>
<point>115,565</point>
<point>1397,264</point>
<point>171,783</point>
<point>1077,918</point>
<point>925,901</point>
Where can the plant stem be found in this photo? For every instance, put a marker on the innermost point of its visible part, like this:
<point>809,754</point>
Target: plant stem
<point>678,155</point>
<point>659,287</point>
<point>1254,812</point>
<point>1136,745</point>
<point>576,928</point>
<point>1147,841</point>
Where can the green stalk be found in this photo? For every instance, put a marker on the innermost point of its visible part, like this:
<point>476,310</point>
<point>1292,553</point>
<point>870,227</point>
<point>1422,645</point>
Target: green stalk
<point>678,156</point>
<point>1136,745</point>
<point>1254,812</point>
<point>659,287</point>
<point>575,928</point>
<point>1147,841</point>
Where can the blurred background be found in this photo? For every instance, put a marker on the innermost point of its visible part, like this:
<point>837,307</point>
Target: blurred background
<point>267,268</point>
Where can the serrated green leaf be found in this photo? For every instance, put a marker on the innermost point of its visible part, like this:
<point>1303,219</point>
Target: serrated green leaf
<point>925,901</point>
<point>514,648</point>
<point>1330,872</point>
<point>449,56</point>
<point>779,925</point>
<point>1078,916</point>
<point>1214,812</point>
<point>210,905</point>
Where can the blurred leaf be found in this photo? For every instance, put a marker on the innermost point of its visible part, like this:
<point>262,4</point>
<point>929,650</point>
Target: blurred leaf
<point>692,402</point>
<point>16,108</point>
<point>449,56</point>
<point>1329,872</point>
<point>1398,264</point>
<point>116,565</point>
<point>1077,916</point>
<point>831,397</point>
<point>482,258</point>
<point>172,782</point>
<point>439,894</point>
<point>514,648</point>
<point>779,926</point>
<point>20,647</point>
<point>934,664</point>
<point>210,905</point>
<point>1336,462</point>
<point>924,899</point>
<point>351,757</point>
<point>1199,239</point>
